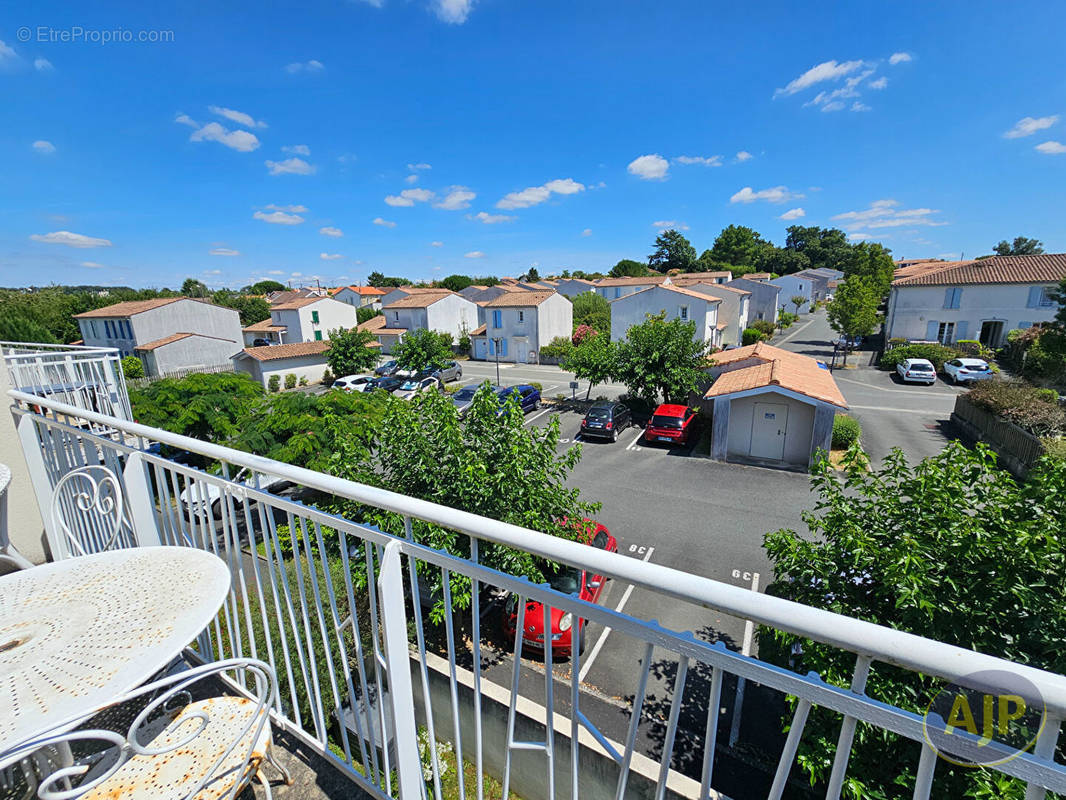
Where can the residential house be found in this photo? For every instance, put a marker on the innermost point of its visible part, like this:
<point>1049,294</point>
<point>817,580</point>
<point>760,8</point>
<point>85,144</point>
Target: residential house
<point>572,287</point>
<point>718,276</point>
<point>166,333</point>
<point>820,279</point>
<point>794,285</point>
<point>288,295</point>
<point>946,301</point>
<point>770,406</point>
<point>263,333</point>
<point>757,276</point>
<point>442,311</point>
<point>302,359</point>
<point>482,294</point>
<point>358,296</point>
<point>521,322</point>
<point>305,319</point>
<point>387,338</point>
<point>764,302</point>
<point>733,311</point>
<point>677,302</point>
<point>613,288</point>
<point>398,292</point>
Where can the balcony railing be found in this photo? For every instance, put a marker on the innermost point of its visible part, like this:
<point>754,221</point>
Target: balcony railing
<point>337,607</point>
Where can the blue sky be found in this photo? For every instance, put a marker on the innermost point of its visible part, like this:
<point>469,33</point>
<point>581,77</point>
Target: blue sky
<point>483,136</point>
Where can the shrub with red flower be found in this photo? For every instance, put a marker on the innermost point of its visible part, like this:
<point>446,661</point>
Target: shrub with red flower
<point>583,332</point>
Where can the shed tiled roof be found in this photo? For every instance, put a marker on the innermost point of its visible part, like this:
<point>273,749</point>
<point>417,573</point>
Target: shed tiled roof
<point>519,299</point>
<point>374,323</point>
<point>128,308</point>
<point>420,299</point>
<point>775,367</point>
<point>264,326</point>
<point>480,330</point>
<point>645,281</point>
<point>390,331</point>
<point>1048,268</point>
<point>280,351</point>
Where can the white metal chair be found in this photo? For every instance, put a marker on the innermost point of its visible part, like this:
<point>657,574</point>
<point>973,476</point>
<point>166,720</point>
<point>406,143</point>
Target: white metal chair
<point>208,749</point>
<point>89,513</point>
<point>8,553</point>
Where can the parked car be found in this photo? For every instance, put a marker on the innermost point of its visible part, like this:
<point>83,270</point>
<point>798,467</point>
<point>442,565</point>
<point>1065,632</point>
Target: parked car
<point>849,342</point>
<point>670,423</point>
<point>388,368</point>
<point>916,370</point>
<point>261,343</point>
<point>528,396</point>
<point>352,383</point>
<point>388,383</point>
<point>465,396</point>
<point>207,496</point>
<point>450,372</point>
<point>606,420</point>
<point>414,386</point>
<point>967,370</point>
<point>568,580</point>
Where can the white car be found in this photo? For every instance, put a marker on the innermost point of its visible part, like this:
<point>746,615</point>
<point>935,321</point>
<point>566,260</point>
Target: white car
<point>967,370</point>
<point>916,370</point>
<point>352,383</point>
<point>203,495</point>
<point>412,387</point>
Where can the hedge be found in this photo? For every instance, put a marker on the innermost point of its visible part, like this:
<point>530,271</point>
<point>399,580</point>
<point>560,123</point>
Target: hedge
<point>751,336</point>
<point>846,431</point>
<point>1032,409</point>
<point>559,347</point>
<point>936,353</point>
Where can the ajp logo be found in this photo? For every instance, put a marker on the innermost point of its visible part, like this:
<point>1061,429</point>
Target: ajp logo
<point>991,718</point>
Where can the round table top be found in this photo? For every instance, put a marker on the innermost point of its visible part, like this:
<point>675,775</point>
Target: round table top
<point>77,634</point>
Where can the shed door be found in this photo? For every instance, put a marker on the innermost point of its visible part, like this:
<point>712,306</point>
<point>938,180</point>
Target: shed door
<point>768,430</point>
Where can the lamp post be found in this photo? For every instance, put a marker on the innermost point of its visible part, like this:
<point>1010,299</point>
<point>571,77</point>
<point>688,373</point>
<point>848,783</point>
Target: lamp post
<point>497,340</point>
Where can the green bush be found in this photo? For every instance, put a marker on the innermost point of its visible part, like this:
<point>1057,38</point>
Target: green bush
<point>327,378</point>
<point>1035,410</point>
<point>303,380</point>
<point>290,381</point>
<point>1055,448</point>
<point>1047,395</point>
<point>132,367</point>
<point>537,385</point>
<point>274,383</point>
<point>785,319</point>
<point>464,344</point>
<point>752,336</point>
<point>559,347</point>
<point>936,353</point>
<point>764,326</point>
<point>846,430</point>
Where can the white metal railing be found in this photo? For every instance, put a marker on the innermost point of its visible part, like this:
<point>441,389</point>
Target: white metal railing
<point>88,378</point>
<point>335,606</point>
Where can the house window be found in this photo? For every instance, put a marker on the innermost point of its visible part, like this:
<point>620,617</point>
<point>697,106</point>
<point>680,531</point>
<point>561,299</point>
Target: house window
<point>1045,301</point>
<point>946,333</point>
<point>682,312</point>
<point>395,316</point>
<point>497,318</point>
<point>952,297</point>
<point>107,329</point>
<point>521,316</point>
<point>128,327</point>
<point>617,291</point>
<point>92,327</point>
<point>318,336</point>
<point>314,317</point>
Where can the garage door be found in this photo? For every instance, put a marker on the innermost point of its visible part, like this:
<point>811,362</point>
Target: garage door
<point>768,430</point>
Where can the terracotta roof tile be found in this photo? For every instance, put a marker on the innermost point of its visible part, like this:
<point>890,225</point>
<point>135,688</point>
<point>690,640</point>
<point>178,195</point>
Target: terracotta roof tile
<point>420,299</point>
<point>128,308</point>
<point>670,288</point>
<point>279,351</point>
<point>177,337</point>
<point>711,287</point>
<point>480,330</point>
<point>1048,268</point>
<point>296,303</point>
<point>519,299</point>
<point>264,326</point>
<point>372,324</point>
<point>363,290</point>
<point>646,281</point>
<point>774,367</point>
<point>390,331</point>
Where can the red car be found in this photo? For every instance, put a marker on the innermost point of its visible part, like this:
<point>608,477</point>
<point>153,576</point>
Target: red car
<point>670,423</point>
<point>568,580</point>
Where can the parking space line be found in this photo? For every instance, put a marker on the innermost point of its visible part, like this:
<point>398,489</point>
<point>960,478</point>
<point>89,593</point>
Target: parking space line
<point>536,416</point>
<point>636,439</point>
<point>585,667</point>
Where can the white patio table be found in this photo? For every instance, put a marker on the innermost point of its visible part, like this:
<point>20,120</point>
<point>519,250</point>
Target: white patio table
<point>76,634</point>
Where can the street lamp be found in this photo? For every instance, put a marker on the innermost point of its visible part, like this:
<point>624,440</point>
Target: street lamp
<point>497,340</point>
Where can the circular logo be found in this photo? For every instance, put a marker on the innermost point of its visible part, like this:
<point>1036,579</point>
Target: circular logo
<point>985,719</point>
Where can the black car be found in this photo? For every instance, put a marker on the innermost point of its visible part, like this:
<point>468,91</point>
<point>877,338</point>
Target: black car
<point>388,368</point>
<point>387,382</point>
<point>606,420</point>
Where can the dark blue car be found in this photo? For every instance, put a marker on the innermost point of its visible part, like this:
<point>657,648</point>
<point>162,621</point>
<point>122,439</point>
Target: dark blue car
<point>528,396</point>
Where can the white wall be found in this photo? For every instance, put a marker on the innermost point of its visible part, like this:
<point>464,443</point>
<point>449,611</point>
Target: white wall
<point>310,367</point>
<point>798,431</point>
<point>614,292</point>
<point>192,351</point>
<point>332,314</point>
<point>912,310</point>
<point>555,317</point>
<point>633,310</point>
<point>572,288</point>
<point>182,316</point>
<point>792,285</point>
<point>733,310</point>
<point>764,302</point>
<point>452,314</point>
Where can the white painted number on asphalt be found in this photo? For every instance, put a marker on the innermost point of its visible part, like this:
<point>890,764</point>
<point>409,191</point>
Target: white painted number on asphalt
<point>747,577</point>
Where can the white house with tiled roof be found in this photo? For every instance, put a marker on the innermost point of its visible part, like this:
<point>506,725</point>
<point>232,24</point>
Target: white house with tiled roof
<point>358,296</point>
<point>677,302</point>
<point>302,359</point>
<point>572,287</point>
<point>167,333</point>
<point>517,324</point>
<point>946,301</point>
<point>733,311</point>
<point>439,310</point>
<point>613,288</point>
<point>310,319</point>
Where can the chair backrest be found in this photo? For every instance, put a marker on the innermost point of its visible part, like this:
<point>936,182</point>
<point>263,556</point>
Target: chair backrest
<point>89,513</point>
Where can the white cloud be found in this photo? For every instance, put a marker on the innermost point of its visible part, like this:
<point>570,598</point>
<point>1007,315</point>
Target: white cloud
<point>744,155</point>
<point>436,244</point>
<point>298,67</point>
<point>275,272</point>
<point>474,254</point>
<point>412,178</point>
<point>93,265</point>
<point>297,149</point>
<point>535,195</point>
<point>887,214</point>
<point>212,272</point>
<point>880,83</point>
<point>705,161</point>
<point>42,64</point>
<point>294,209</point>
<point>454,12</point>
<point>775,194</point>
<point>330,256</point>
<point>836,105</point>
<point>375,3</point>
<point>44,146</point>
<point>587,232</point>
<point>858,105</point>
<point>419,166</point>
<point>793,213</point>
<point>1027,126</point>
<point>242,141</point>
<point>278,218</point>
<point>1051,148</point>
<point>826,71</point>
<point>224,251</point>
<point>291,166</point>
<point>457,198</point>
<point>491,219</point>
<point>70,239</point>
<point>236,116</point>
<point>6,51</point>
<point>185,119</point>
<point>652,167</point>
<point>408,197</point>
<point>384,223</point>
<point>860,237</point>
<point>663,224</point>
<point>335,233</point>
<point>899,58</point>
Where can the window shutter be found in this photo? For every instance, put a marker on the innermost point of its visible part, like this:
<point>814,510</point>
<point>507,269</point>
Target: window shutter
<point>1034,297</point>
<point>492,347</point>
<point>931,329</point>
<point>503,348</point>
<point>961,329</point>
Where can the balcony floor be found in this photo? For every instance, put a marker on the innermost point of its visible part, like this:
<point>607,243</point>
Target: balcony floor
<point>313,777</point>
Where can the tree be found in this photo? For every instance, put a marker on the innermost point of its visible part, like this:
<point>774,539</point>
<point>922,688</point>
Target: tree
<point>251,309</point>
<point>900,546</point>
<point>798,300</point>
<point>351,351</point>
<point>194,288</point>
<point>484,463</point>
<point>628,268</point>
<point>592,359</point>
<point>203,406</point>
<point>364,313</point>
<point>824,247</point>
<point>456,283</point>
<point>592,309</point>
<point>672,251</point>
<point>18,328</point>
<point>873,262</point>
<point>264,287</point>
<point>532,276</point>
<point>132,367</point>
<point>737,246</point>
<point>1021,246</point>
<point>423,349</point>
<point>853,310</point>
<point>661,358</point>
<point>375,278</point>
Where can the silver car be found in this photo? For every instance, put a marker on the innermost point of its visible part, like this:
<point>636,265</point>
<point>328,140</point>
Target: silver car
<point>412,387</point>
<point>451,372</point>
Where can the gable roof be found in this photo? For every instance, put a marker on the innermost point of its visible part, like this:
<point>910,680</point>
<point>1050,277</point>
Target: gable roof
<point>420,299</point>
<point>645,281</point>
<point>480,330</point>
<point>756,276</point>
<point>299,302</point>
<point>722,273</point>
<point>521,298</point>
<point>176,337</point>
<point>372,324</point>
<point>129,308</point>
<point>264,326</point>
<point>713,287</point>
<point>747,280</point>
<point>774,367</point>
<point>279,351</point>
<point>1047,268</point>
<point>363,290</point>
<point>671,288</point>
